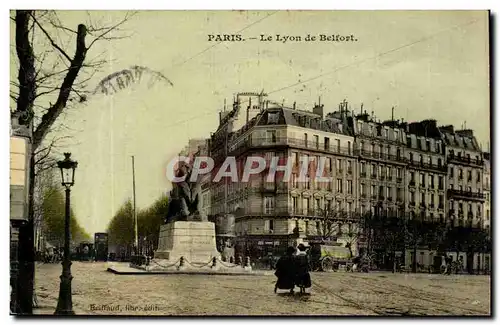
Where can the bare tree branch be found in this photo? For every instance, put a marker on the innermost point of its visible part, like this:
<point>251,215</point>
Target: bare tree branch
<point>107,30</point>
<point>50,39</point>
<point>76,63</point>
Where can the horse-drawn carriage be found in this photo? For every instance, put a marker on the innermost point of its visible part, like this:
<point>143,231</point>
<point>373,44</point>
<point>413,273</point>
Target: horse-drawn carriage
<point>329,258</point>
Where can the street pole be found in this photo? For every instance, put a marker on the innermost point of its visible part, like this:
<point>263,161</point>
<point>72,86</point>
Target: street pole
<point>65,303</point>
<point>135,210</point>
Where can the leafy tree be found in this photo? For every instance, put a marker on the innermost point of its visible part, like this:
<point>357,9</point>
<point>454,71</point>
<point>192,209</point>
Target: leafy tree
<point>53,211</point>
<point>121,227</point>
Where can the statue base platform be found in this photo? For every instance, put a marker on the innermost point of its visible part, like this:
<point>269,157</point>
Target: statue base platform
<point>194,241</point>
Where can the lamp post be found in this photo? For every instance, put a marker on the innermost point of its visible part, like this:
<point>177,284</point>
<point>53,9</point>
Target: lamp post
<point>64,303</point>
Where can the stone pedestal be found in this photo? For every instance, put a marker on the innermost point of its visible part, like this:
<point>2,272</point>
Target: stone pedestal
<point>194,240</point>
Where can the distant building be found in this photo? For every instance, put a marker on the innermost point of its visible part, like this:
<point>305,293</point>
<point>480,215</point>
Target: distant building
<point>465,177</point>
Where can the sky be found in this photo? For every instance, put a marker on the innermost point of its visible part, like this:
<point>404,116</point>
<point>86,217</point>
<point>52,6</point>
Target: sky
<point>425,64</point>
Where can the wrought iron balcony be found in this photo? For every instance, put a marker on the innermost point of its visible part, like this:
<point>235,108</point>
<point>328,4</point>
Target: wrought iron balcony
<point>465,160</point>
<point>466,194</point>
<point>424,165</point>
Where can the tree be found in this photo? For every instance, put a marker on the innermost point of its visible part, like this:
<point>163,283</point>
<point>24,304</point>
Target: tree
<point>47,80</point>
<point>150,219</point>
<point>53,210</point>
<point>121,227</point>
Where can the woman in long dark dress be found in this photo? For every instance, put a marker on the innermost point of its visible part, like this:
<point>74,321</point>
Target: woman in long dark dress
<point>285,271</point>
<point>302,278</point>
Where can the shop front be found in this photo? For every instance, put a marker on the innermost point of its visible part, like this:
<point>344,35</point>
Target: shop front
<point>263,250</point>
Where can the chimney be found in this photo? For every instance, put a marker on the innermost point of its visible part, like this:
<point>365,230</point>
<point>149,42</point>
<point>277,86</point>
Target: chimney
<point>465,133</point>
<point>317,109</point>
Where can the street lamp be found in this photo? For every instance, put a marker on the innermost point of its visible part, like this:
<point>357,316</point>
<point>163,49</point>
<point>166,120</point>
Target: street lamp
<point>64,303</point>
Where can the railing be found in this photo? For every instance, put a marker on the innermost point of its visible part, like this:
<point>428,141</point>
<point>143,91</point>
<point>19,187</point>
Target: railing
<point>412,183</point>
<point>362,174</point>
<point>453,158</point>
<point>422,164</point>
<point>255,142</point>
<point>379,155</point>
<point>412,204</point>
<point>466,194</point>
<point>399,179</point>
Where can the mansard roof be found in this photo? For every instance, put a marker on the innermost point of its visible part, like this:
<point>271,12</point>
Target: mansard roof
<point>305,119</point>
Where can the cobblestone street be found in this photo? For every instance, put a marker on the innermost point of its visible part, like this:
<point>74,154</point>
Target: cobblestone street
<point>98,292</point>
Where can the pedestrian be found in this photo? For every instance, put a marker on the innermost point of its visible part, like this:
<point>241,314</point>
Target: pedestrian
<point>285,271</point>
<point>302,277</point>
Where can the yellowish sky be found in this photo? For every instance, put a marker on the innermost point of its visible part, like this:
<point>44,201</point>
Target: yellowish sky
<point>426,64</point>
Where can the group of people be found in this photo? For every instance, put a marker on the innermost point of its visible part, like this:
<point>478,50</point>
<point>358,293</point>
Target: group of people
<point>293,270</point>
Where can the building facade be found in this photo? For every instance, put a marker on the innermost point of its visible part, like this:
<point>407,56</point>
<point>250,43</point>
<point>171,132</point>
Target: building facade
<point>273,214</point>
<point>465,177</point>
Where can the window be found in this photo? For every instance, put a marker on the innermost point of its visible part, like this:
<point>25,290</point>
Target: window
<point>373,148</point>
<point>427,144</point>
<point>363,167</point>
<point>339,185</point>
<point>339,165</point>
<point>373,190</point>
<point>317,206</point>
<point>328,205</point>
<point>412,177</point>
<point>295,182</point>
<point>327,143</point>
<point>295,158</point>
<point>421,158</point>
<point>431,181</point>
<point>305,206</point>
<point>469,175</point>
<point>349,207</point>
<point>389,194</point>
<point>422,180</point>
<point>411,157</point>
<point>295,204</point>
<point>431,199</point>
<point>422,198</point>
<point>316,141</point>
<point>441,201</point>
<point>399,173</point>
<point>271,225</point>
<point>349,147</point>
<point>441,183</point>
<point>440,162</point>
<point>363,189</point>
<point>338,145</point>
<point>399,194</point>
<point>328,164</point>
<point>271,136</point>
<point>269,204</point>
<point>460,173</point>
<point>349,167</point>
<point>349,187</point>
<point>412,197</point>
<point>374,169</point>
<point>398,153</point>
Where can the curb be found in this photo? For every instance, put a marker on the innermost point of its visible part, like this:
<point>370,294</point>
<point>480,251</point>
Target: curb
<point>114,271</point>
